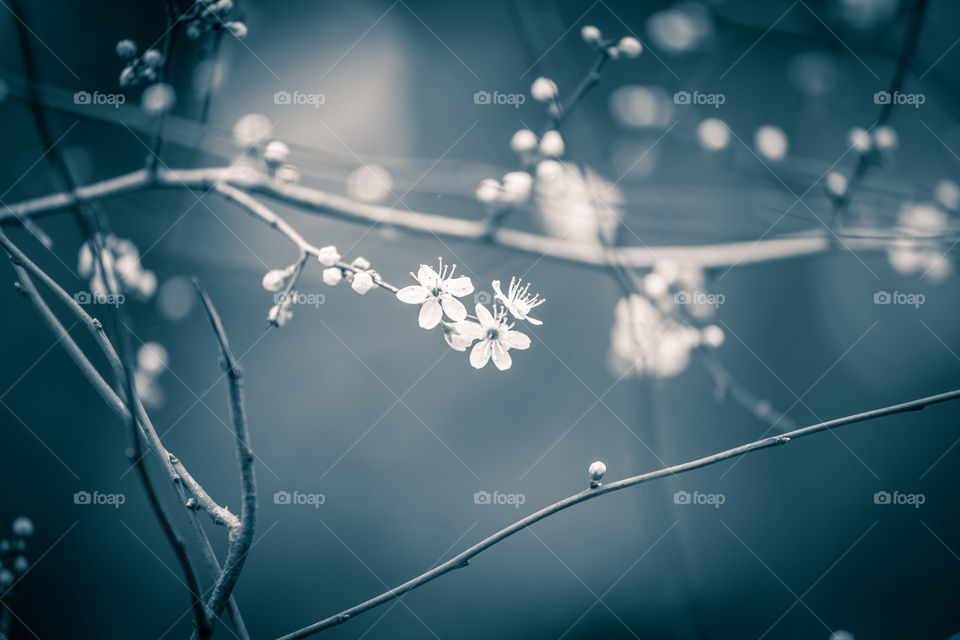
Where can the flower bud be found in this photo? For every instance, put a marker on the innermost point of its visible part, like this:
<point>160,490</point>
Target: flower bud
<point>152,58</point>
<point>276,153</point>
<point>20,564</point>
<point>516,185</point>
<point>836,184</point>
<point>360,263</point>
<point>596,470</point>
<point>362,282</point>
<point>127,76</point>
<point>273,280</point>
<point>6,578</point>
<point>23,527</point>
<point>523,141</point>
<point>194,30</point>
<point>712,336</point>
<point>548,170</point>
<point>552,144</point>
<point>591,34</point>
<point>859,139</point>
<point>488,191</point>
<point>237,29</point>
<point>544,89</point>
<point>885,138</point>
<point>126,48</point>
<point>332,276</point>
<point>158,98</point>
<point>630,47</point>
<point>287,174</point>
<point>279,314</point>
<point>329,256</point>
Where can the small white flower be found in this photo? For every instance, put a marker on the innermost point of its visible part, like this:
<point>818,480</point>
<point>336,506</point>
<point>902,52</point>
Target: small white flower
<point>329,256</point>
<point>158,98</point>
<point>552,144</point>
<point>332,276</point>
<point>362,282</point>
<point>518,301</point>
<point>549,170</point>
<point>496,337</point>
<point>273,279</point>
<point>630,47</point>
<point>152,358</point>
<point>591,34</point>
<point>836,184</point>
<point>360,262</point>
<point>523,140</point>
<point>859,139</point>
<point>437,293</point>
<point>276,152</point>
<point>544,89</point>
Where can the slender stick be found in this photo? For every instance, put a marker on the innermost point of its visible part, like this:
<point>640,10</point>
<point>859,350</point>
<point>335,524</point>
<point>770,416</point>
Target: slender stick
<point>463,559</point>
<point>242,537</point>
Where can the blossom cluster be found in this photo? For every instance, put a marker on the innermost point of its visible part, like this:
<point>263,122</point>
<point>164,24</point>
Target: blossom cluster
<point>139,67</point>
<point>122,257</point>
<point>13,562</point>
<point>491,334</point>
<point>211,15</point>
<point>152,361</point>
<point>656,330</point>
<point>920,252</point>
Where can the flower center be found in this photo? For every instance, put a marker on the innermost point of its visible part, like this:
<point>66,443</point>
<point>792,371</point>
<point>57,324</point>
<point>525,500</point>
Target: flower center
<point>436,291</point>
<point>493,334</point>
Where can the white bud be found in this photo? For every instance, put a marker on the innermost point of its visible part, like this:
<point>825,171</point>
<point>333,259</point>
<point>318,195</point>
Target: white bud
<point>552,144</point>
<point>362,282</point>
<point>158,98</point>
<point>20,564</point>
<point>276,152</point>
<point>6,578</point>
<point>287,174</point>
<point>523,140</point>
<point>596,470</point>
<point>152,358</point>
<point>771,142</point>
<point>126,48</point>
<point>713,134</point>
<point>885,138</point>
<point>711,336</point>
<point>544,89</point>
<point>237,29</point>
<point>23,527</point>
<point>516,185</point>
<point>836,184</point>
<point>360,263</point>
<point>279,314</point>
<point>859,139</point>
<point>488,191</point>
<point>127,76</point>
<point>630,47</point>
<point>591,34</point>
<point>273,279</point>
<point>152,58</point>
<point>613,52</point>
<point>549,170</point>
<point>328,256</point>
<point>332,276</point>
<point>655,285</point>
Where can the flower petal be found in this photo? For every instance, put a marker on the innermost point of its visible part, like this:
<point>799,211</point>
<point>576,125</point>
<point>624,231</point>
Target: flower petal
<point>414,294</point>
<point>453,308</point>
<point>430,314</point>
<point>496,290</point>
<point>515,340</point>
<point>501,358</point>
<point>470,329</point>
<point>460,286</point>
<point>428,277</point>
<point>533,321</point>
<point>486,320</point>
<point>480,354</point>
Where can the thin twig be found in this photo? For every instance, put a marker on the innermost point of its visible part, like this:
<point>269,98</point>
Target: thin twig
<point>463,559</point>
<point>242,537</point>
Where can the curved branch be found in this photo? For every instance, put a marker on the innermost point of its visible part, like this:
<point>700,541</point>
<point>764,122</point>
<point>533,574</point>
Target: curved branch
<point>463,559</point>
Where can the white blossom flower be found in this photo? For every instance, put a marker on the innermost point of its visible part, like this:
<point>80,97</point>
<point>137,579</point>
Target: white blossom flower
<point>518,300</point>
<point>437,293</point>
<point>152,358</point>
<point>23,527</point>
<point>859,139</point>
<point>771,142</point>
<point>460,335</point>
<point>544,89</point>
<point>596,471</point>
<point>362,282</point>
<point>152,58</point>
<point>711,336</point>
<point>329,256</point>
<point>885,138</point>
<point>237,29</point>
<point>496,338</point>
<point>273,279</point>
<point>158,98</point>
<point>549,170</point>
<point>332,276</point>
<point>836,184</point>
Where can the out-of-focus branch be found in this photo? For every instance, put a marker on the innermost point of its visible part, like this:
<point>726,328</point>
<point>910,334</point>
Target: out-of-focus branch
<point>581,253</point>
<point>156,143</point>
<point>463,559</point>
<point>726,386</point>
<point>242,537</point>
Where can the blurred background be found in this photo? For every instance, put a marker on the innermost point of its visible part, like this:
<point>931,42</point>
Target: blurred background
<point>351,400</point>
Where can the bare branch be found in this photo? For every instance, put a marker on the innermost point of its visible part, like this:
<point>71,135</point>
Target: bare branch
<point>463,559</point>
